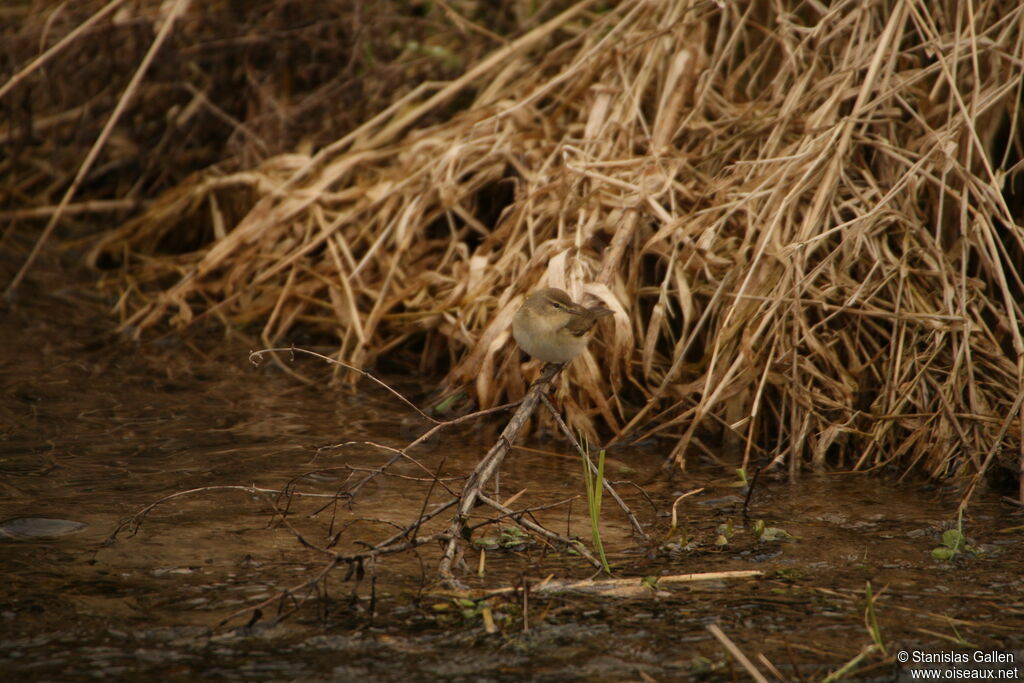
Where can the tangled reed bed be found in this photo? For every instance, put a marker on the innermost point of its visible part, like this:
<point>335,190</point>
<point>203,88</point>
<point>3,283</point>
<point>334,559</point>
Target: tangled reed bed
<point>808,218</point>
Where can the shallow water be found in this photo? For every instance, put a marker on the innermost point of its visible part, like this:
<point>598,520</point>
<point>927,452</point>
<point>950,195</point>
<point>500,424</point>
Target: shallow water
<point>94,429</point>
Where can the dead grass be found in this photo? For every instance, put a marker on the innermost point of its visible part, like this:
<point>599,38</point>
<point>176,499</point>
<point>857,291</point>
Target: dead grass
<point>807,216</point>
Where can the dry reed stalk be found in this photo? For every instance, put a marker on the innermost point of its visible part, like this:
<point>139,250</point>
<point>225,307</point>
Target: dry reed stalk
<point>804,213</point>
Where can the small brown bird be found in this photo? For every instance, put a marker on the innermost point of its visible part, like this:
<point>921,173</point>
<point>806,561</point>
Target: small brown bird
<point>552,327</point>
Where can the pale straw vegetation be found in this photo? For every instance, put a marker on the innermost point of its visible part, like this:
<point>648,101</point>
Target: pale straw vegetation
<point>806,215</point>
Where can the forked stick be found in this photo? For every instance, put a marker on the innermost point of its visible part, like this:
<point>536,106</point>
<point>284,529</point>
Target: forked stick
<point>490,464</point>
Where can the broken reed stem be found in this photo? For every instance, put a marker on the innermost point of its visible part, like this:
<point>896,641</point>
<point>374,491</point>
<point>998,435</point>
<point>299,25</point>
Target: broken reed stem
<point>737,654</point>
<point>489,465</point>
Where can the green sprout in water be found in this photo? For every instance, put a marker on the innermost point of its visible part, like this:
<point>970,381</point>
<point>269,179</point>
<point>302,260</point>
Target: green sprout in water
<point>871,620</point>
<point>741,473</point>
<point>725,533</point>
<point>510,538</point>
<point>765,533</point>
<point>595,486</point>
<point>954,542</point>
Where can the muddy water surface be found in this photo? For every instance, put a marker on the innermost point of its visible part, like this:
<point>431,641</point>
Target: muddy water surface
<point>93,429</point>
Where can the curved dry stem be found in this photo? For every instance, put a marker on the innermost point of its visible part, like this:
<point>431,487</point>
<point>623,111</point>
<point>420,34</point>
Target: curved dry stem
<point>802,215</point>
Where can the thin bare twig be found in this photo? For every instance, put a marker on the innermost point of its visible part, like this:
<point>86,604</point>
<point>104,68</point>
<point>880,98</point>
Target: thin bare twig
<point>488,466</point>
<point>633,521</point>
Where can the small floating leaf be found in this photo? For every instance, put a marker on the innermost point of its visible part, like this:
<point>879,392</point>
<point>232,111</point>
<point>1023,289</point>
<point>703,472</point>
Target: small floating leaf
<point>953,539</point>
<point>774,533</point>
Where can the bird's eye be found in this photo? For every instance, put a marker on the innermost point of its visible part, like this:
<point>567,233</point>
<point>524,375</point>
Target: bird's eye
<point>555,304</point>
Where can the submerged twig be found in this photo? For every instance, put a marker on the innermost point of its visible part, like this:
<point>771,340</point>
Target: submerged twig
<point>519,517</point>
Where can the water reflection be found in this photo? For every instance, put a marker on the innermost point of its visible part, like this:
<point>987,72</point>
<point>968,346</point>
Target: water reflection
<point>90,437</point>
